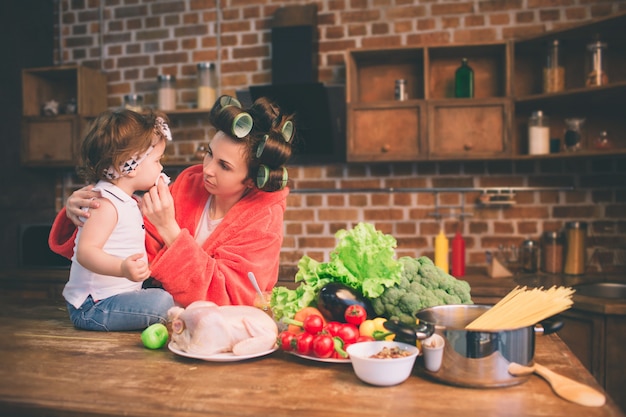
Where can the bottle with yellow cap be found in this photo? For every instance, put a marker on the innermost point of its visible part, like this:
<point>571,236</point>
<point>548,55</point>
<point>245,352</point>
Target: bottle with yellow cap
<point>441,251</point>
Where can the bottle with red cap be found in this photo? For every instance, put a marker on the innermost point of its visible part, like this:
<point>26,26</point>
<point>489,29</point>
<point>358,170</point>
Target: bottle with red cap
<point>458,255</point>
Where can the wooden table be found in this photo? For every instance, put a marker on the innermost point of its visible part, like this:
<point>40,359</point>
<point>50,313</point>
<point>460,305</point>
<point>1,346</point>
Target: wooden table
<point>47,368</point>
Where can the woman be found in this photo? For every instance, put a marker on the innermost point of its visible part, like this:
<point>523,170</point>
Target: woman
<point>219,220</point>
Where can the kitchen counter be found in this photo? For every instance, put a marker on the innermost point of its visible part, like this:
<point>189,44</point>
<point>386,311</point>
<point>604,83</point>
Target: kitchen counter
<point>49,368</point>
<point>486,290</point>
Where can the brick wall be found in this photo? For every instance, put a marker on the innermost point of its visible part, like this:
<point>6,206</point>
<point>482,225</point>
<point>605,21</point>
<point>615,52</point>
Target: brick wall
<point>135,40</point>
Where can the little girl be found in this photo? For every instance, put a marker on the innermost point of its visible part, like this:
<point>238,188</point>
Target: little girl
<point>122,152</point>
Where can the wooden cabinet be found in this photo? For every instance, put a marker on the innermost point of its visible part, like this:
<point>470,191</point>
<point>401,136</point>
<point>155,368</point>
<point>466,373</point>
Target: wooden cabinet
<point>602,107</point>
<point>508,87</point>
<point>54,140</point>
<point>431,123</point>
<point>598,341</point>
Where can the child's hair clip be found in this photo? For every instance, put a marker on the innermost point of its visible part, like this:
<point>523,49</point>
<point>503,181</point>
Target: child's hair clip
<point>287,131</point>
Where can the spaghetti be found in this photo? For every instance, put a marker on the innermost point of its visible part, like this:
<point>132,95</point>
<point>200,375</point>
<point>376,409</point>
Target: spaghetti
<point>523,307</point>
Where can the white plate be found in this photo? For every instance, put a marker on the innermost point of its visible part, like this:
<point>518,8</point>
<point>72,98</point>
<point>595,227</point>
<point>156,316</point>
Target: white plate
<point>219,357</point>
<point>315,358</point>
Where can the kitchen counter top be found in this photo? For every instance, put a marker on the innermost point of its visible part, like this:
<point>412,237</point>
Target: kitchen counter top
<point>486,290</point>
<point>49,368</point>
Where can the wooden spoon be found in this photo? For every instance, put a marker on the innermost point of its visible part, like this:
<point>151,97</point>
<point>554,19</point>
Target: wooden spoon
<point>564,387</point>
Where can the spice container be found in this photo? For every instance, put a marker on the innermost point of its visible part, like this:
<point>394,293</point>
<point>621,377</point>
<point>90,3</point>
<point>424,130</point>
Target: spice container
<point>464,81</point>
<point>553,72</point>
<point>575,233</point>
<point>574,134</point>
<point>530,256</point>
<point>207,85</point>
<point>538,134</point>
<point>552,252</point>
<point>167,92</point>
<point>133,102</point>
<point>596,64</point>
<point>401,93</point>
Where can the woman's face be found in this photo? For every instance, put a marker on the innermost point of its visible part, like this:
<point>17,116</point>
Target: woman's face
<point>225,167</point>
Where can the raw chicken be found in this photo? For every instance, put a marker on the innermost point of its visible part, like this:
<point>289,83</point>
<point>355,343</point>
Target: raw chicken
<point>205,328</point>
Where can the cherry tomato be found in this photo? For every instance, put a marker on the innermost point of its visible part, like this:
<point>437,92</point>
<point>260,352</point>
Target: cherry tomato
<point>355,314</point>
<point>332,327</point>
<point>349,333</point>
<point>286,340</point>
<point>304,343</point>
<point>300,316</point>
<point>313,324</point>
<point>323,346</point>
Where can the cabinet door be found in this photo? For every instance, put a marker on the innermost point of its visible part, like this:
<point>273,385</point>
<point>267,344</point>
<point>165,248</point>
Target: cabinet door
<point>468,128</point>
<point>51,141</point>
<point>385,133</point>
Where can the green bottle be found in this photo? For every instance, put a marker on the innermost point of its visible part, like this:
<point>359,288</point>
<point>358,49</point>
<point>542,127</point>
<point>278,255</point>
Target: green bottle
<point>464,81</point>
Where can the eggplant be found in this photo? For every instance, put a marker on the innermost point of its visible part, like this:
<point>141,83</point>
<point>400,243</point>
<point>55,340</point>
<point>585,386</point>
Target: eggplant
<point>334,298</point>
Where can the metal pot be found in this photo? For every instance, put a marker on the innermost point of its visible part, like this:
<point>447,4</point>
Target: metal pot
<point>480,358</point>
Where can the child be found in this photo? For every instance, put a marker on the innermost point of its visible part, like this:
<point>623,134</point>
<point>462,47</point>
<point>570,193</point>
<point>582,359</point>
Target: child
<point>122,152</point>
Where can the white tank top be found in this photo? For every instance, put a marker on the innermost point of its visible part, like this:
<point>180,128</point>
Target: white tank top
<point>128,237</point>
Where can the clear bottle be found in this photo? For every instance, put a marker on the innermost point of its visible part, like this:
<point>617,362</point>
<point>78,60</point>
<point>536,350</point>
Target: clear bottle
<point>575,234</point>
<point>464,81</point>
<point>166,92</point>
<point>207,85</point>
<point>538,134</point>
<point>596,64</point>
<point>530,256</point>
<point>553,72</point>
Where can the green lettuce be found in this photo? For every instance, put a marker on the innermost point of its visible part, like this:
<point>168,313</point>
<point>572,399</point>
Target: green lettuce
<point>363,259</point>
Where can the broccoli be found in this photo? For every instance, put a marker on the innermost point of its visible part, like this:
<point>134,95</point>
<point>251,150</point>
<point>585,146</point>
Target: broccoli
<point>421,285</point>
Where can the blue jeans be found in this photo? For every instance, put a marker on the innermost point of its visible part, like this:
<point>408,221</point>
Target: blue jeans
<point>134,310</point>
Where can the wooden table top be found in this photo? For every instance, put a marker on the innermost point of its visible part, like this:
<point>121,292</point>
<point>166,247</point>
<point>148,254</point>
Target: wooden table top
<point>49,368</point>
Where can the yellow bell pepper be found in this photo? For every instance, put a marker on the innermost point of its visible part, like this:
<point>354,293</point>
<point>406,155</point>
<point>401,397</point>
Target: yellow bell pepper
<point>375,328</point>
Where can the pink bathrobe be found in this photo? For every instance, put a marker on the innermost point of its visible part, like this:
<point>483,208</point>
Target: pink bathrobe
<point>249,238</point>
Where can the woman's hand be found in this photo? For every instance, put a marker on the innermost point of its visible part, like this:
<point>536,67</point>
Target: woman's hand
<point>157,205</point>
<point>83,197</point>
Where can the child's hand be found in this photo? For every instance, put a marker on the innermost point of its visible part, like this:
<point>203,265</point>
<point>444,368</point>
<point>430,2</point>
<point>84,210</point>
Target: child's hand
<point>135,268</point>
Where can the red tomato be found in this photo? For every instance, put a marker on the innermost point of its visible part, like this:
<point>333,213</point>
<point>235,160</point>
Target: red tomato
<point>355,314</point>
<point>349,333</point>
<point>323,346</point>
<point>300,316</point>
<point>286,340</point>
<point>304,343</point>
<point>332,327</point>
<point>313,324</point>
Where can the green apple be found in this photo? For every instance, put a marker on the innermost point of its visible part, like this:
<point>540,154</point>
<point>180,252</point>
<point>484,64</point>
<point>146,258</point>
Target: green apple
<point>155,336</point>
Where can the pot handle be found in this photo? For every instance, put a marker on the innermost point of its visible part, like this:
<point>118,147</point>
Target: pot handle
<point>409,333</point>
<point>549,326</point>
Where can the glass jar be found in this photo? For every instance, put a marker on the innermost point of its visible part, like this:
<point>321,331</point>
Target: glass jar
<point>464,80</point>
<point>553,72</point>
<point>574,134</point>
<point>538,134</point>
<point>207,85</point>
<point>596,64</point>
<point>133,102</point>
<point>530,256</point>
<point>552,252</point>
<point>167,92</point>
<point>400,92</point>
<point>602,142</point>
<point>575,234</point>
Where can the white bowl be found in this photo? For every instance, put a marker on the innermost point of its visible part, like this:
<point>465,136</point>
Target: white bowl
<point>381,372</point>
